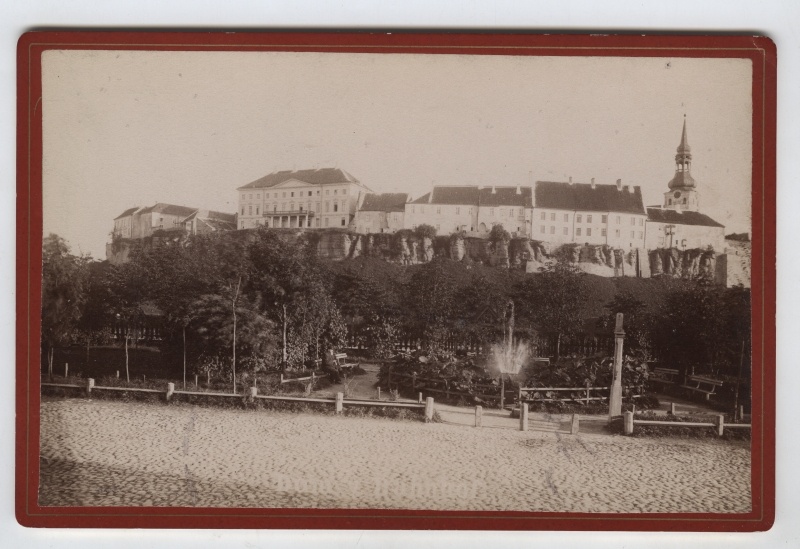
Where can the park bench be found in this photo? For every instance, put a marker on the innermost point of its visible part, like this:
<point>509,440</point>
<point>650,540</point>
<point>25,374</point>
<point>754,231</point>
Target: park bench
<point>664,376</point>
<point>341,361</point>
<point>703,385</point>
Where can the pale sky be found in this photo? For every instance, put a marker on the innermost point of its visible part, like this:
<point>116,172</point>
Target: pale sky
<point>125,129</point>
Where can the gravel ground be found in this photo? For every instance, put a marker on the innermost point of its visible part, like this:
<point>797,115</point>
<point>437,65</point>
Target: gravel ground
<point>115,453</point>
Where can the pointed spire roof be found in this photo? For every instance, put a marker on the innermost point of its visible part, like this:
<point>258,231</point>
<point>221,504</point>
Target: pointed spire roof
<point>684,146</point>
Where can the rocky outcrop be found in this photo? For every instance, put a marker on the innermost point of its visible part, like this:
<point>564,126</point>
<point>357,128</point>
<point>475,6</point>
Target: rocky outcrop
<point>688,264</point>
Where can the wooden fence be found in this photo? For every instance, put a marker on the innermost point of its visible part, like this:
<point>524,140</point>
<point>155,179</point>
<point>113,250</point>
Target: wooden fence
<point>577,394</point>
<point>339,402</point>
<point>719,423</point>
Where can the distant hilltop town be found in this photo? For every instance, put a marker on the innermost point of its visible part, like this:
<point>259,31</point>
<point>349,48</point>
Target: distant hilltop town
<point>603,224</point>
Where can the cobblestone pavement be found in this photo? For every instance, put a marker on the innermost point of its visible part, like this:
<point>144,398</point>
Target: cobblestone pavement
<point>115,453</point>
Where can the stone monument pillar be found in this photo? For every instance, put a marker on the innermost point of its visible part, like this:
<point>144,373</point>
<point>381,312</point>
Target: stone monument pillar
<point>615,398</point>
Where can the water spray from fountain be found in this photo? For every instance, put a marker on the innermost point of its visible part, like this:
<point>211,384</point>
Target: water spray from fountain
<point>508,357</point>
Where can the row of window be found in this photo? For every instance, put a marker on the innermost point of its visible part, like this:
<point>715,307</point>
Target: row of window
<point>579,218</point>
<point>249,196</point>
<point>316,208</point>
<point>325,223</point>
<point>579,232</point>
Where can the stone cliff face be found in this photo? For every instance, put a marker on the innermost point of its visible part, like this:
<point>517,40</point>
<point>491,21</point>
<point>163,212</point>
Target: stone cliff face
<point>689,264</point>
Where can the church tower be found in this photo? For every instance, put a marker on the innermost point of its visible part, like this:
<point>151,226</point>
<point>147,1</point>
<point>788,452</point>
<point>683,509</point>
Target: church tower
<point>682,194</point>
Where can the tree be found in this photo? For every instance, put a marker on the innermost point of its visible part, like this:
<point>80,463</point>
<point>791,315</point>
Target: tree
<point>430,299</point>
<point>127,291</point>
<point>552,300</point>
<point>638,323</point>
<point>64,287</point>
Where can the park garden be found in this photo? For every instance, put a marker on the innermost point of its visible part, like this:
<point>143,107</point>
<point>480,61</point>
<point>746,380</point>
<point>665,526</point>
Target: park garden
<point>242,309</point>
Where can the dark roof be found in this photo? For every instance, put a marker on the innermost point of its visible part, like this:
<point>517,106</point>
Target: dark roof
<point>219,224</point>
<point>505,196</point>
<point>659,215</point>
<point>477,196</point>
<point>322,176</point>
<point>127,212</point>
<point>584,197</point>
<point>211,215</point>
<point>169,209</point>
<point>386,202</point>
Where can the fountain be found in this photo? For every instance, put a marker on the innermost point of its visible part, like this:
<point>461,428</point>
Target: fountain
<point>508,358</point>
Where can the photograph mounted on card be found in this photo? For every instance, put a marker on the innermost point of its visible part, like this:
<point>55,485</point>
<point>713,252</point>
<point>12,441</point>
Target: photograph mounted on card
<point>450,281</point>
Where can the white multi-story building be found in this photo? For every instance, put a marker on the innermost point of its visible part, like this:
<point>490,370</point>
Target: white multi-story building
<point>327,197</point>
<point>472,209</point>
<point>589,213</point>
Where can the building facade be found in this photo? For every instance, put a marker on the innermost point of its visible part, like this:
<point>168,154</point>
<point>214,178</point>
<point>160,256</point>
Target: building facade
<point>143,222</point>
<point>322,198</point>
<point>589,213</point>
<point>472,209</point>
<point>381,213</point>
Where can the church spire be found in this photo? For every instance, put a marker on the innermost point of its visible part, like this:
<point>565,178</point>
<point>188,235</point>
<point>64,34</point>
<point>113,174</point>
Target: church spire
<point>683,163</point>
<point>684,146</point>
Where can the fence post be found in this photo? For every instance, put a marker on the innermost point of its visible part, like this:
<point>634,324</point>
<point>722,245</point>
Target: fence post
<point>117,374</point>
<point>740,411</point>
<point>281,378</point>
<point>523,416</point>
<point>429,409</point>
<point>253,392</point>
<point>89,386</point>
<point>672,408</point>
<point>628,423</point>
<point>339,402</point>
<point>588,392</point>
<point>379,393</point>
<point>502,392</point>
<point>575,426</point>
<point>170,390</point>
<point>720,424</point>
<point>478,416</point>
<point>66,369</point>
<point>195,382</point>
<point>419,398</point>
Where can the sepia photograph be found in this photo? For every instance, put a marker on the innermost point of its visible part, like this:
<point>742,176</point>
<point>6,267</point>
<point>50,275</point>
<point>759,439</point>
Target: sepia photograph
<point>345,280</point>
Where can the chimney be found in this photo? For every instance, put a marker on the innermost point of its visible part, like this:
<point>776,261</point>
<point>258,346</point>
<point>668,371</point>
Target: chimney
<point>430,196</point>
<point>570,180</point>
<point>630,188</point>
<point>619,184</point>
<point>519,191</point>
<point>593,182</point>
<point>494,190</point>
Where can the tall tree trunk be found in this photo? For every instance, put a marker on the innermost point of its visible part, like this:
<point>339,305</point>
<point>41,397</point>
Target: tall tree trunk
<point>558,346</point>
<point>283,366</point>
<point>184,357</point>
<point>127,372</point>
<point>233,308</point>
<point>50,353</point>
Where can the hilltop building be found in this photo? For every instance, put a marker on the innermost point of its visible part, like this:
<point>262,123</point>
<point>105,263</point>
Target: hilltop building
<point>472,209</point>
<point>139,222</point>
<point>677,223</point>
<point>326,197</point>
<point>381,213</point>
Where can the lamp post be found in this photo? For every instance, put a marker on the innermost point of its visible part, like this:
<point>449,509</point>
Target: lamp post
<point>669,230</point>
<point>615,396</point>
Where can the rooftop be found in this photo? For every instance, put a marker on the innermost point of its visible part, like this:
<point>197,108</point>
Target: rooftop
<point>588,197</point>
<point>385,202</point>
<point>660,215</point>
<point>322,176</point>
<point>477,196</point>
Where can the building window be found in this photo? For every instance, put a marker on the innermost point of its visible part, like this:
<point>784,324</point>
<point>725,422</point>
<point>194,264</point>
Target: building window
<point>344,191</point>
<point>552,217</point>
<point>335,206</point>
<point>291,207</point>
<point>326,222</point>
<point>616,233</point>
<point>309,193</point>
<point>327,192</point>
<point>284,195</point>
<point>343,222</point>
<point>242,210</point>
<point>578,231</point>
<point>438,210</point>
<point>256,210</point>
<point>578,219</point>
<point>566,219</point>
<point>641,235</point>
<point>641,221</point>
<point>250,210</point>
<point>684,201</point>
<point>588,232</point>
<point>603,232</point>
<point>604,219</point>
<point>633,221</point>
<point>619,220</point>
<point>544,216</point>
<point>588,218</point>
<point>552,230</point>
<point>511,212</point>
<point>566,231</point>
<point>327,206</point>
<point>542,229</point>
<point>292,195</point>
<point>335,191</point>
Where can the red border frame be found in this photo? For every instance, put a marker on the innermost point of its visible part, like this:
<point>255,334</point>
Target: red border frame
<point>760,50</point>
